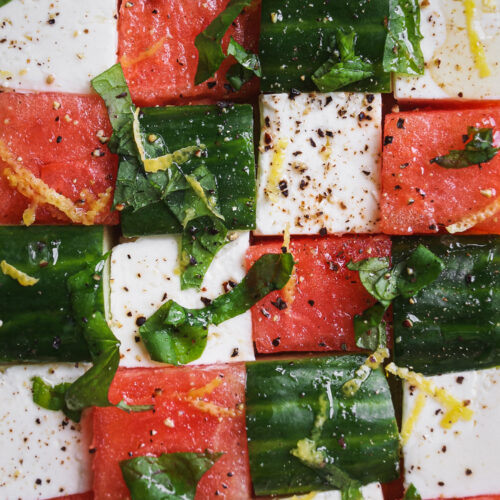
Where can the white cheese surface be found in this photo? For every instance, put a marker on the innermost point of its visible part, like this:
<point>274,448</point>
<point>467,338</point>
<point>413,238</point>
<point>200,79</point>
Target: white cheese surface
<point>43,454</point>
<point>144,275</point>
<point>372,491</point>
<point>450,69</point>
<point>462,461</point>
<point>56,45</point>
<point>319,163</point>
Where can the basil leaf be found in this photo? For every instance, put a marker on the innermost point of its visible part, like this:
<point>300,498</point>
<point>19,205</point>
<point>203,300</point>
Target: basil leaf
<point>112,87</point>
<point>201,241</point>
<point>411,493</point>
<point>133,408</point>
<point>248,65</point>
<point>479,149</point>
<point>52,397</point>
<point>369,327</point>
<point>4,2</point>
<point>208,42</point>
<point>405,278</point>
<point>170,476</point>
<point>91,389</point>
<point>420,270</point>
<point>334,75</point>
<point>371,272</point>
<point>178,335</point>
<point>402,52</point>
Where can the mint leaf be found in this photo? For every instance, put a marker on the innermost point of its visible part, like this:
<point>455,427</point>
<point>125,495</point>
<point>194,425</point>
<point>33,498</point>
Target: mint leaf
<point>335,74</point>
<point>402,52</point>
<point>177,335</point>
<point>4,2</point>
<point>478,149</point>
<point>208,42</point>
<point>369,327</point>
<point>170,476</point>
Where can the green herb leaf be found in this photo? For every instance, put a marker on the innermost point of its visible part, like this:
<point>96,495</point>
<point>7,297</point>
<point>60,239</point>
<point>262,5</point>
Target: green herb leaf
<point>112,87</point>
<point>248,65</point>
<point>402,52</point>
<point>335,74</point>
<point>405,278</point>
<point>52,397</point>
<point>208,42</point>
<point>91,389</point>
<point>479,149</point>
<point>201,241</point>
<point>133,408</point>
<point>411,493</point>
<point>420,270</point>
<point>369,327</point>
<point>170,476</point>
<point>178,335</point>
<point>4,2</point>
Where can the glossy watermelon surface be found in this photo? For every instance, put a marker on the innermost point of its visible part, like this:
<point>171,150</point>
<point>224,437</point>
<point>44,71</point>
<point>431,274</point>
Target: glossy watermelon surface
<point>55,136</point>
<point>159,57</point>
<point>423,197</point>
<point>195,409</point>
<point>315,311</point>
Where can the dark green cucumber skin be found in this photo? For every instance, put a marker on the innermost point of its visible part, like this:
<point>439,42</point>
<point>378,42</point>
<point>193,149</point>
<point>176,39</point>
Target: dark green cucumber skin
<point>297,46</point>
<point>454,323</point>
<point>282,399</point>
<point>38,323</point>
<point>183,126</point>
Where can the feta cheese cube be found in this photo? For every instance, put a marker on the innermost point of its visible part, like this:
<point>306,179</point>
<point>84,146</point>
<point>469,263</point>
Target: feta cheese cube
<point>56,45</point>
<point>145,274</point>
<point>462,461</point>
<point>319,163</point>
<point>450,68</point>
<point>44,454</point>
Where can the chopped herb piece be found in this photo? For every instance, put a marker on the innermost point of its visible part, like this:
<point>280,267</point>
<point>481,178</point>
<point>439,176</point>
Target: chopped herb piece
<point>177,335</point>
<point>402,53</point>
<point>411,493</point>
<point>171,475</point>
<point>479,149</point>
<point>4,2</point>
<point>248,65</point>
<point>404,279</point>
<point>208,42</point>
<point>335,74</point>
<point>52,397</point>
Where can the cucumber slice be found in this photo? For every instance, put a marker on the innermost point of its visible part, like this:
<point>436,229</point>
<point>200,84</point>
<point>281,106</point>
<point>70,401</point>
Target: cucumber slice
<point>296,37</point>
<point>454,323</point>
<point>283,401</point>
<point>227,133</point>
<point>37,321</point>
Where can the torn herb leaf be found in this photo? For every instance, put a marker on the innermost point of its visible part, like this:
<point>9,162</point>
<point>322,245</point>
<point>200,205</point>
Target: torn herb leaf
<point>177,335</point>
<point>411,493</point>
<point>4,2</point>
<point>478,149</point>
<point>208,42</point>
<point>347,69</point>
<point>404,279</point>
<point>248,65</point>
<point>402,52</point>
<point>171,475</point>
<point>52,397</point>
<point>112,87</point>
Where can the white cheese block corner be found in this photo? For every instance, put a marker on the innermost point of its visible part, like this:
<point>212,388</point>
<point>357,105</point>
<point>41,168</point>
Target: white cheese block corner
<point>43,455</point>
<point>372,491</point>
<point>56,45</point>
<point>462,461</point>
<point>319,163</point>
<point>450,70</point>
<point>144,275</point>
